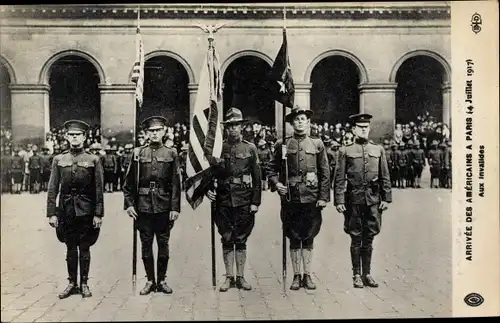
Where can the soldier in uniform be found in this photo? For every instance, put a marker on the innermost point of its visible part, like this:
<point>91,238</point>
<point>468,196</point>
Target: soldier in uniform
<point>333,154</point>
<point>110,167</point>
<point>394,169</point>
<point>237,198</point>
<point>402,165</point>
<point>35,169</point>
<point>152,194</point>
<point>17,171</point>
<point>125,160</point>
<point>6,171</point>
<point>445,166</point>
<point>306,195</point>
<point>418,162</point>
<point>363,196</point>
<point>117,174</point>
<point>265,156</point>
<point>387,149</point>
<point>410,175</point>
<point>448,164</point>
<point>78,179</point>
<point>46,159</point>
<point>434,157</point>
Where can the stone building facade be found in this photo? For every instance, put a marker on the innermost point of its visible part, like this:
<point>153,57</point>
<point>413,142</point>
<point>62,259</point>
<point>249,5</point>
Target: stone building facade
<point>377,39</point>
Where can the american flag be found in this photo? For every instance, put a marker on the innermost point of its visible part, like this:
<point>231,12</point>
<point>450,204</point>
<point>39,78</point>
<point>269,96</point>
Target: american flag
<point>205,136</point>
<point>138,71</point>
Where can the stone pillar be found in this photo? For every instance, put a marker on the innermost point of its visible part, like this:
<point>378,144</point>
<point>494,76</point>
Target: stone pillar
<point>447,103</point>
<point>193,92</point>
<point>379,100</point>
<point>30,113</point>
<point>118,112</point>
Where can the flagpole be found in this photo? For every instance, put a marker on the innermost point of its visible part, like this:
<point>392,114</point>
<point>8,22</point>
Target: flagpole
<point>284,168</point>
<point>134,226</point>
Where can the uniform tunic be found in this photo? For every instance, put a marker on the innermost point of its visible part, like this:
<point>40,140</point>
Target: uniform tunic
<point>309,182</point>
<point>265,156</point>
<point>435,156</point>
<point>17,168</point>
<point>418,161</point>
<point>78,177</point>
<point>362,181</point>
<point>238,187</point>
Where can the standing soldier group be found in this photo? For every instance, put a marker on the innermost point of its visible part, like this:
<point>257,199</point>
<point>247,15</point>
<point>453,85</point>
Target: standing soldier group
<point>152,186</point>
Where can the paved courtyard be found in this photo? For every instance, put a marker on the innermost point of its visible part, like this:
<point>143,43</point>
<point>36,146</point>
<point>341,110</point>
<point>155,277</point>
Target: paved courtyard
<point>412,262</point>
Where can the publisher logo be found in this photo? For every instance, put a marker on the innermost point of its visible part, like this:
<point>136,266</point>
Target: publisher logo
<point>474,299</point>
<point>476,22</point>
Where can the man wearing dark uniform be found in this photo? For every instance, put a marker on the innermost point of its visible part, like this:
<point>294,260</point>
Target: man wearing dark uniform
<point>402,165</point>
<point>152,194</point>
<point>110,167</point>
<point>237,198</point>
<point>46,159</point>
<point>447,165</point>
<point>6,171</point>
<point>306,195</point>
<point>35,169</point>
<point>265,156</point>
<point>434,157</point>
<point>17,171</point>
<point>410,174</point>
<point>117,174</point>
<point>418,162</point>
<point>125,160</point>
<point>387,149</point>
<point>78,179</point>
<point>394,169</point>
<point>333,154</point>
<point>363,197</point>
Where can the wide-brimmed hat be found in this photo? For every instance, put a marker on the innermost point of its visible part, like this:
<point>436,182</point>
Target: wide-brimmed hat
<point>232,116</point>
<point>129,146</point>
<point>262,142</point>
<point>296,111</point>
<point>327,140</point>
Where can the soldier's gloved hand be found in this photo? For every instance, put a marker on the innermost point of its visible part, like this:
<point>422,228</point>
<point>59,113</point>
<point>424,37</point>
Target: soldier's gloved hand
<point>97,222</point>
<point>383,206</point>
<point>211,195</point>
<point>281,188</point>
<point>131,212</point>
<point>254,208</point>
<point>321,204</point>
<point>53,221</point>
<point>173,215</point>
<point>341,208</point>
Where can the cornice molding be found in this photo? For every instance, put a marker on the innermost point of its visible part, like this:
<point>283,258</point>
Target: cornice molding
<point>418,11</point>
<point>30,88</point>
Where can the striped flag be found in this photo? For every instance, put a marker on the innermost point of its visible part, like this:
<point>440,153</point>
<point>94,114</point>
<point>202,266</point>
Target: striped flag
<point>205,135</point>
<point>138,71</point>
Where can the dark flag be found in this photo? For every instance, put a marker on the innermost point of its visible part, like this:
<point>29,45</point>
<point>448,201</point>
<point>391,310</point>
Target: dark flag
<point>282,86</point>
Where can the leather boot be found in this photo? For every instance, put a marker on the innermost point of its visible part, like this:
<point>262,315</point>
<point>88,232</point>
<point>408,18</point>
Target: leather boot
<point>356,267</point>
<point>307,282</point>
<point>241,283</point>
<point>84,272</point>
<point>297,282</point>
<point>228,256</point>
<point>85,290</point>
<point>241,257</point>
<point>228,283</point>
<point>162,287</point>
<point>148,288</point>
<point>366,258</point>
<point>161,268</point>
<point>71,289</point>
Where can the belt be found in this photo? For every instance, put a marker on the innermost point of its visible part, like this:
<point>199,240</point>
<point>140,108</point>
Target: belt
<point>153,187</point>
<point>233,180</point>
<point>295,179</point>
<point>75,191</point>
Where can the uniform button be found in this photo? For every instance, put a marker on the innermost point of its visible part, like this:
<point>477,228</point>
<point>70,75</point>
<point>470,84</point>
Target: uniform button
<point>301,159</point>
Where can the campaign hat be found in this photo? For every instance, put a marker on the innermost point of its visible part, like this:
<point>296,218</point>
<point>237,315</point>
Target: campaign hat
<point>296,111</point>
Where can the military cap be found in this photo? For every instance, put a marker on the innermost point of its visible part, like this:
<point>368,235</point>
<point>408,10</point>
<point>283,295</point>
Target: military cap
<point>107,147</point>
<point>129,146</point>
<point>34,148</point>
<point>327,140</point>
<point>262,142</point>
<point>154,122</point>
<point>16,149</point>
<point>410,142</point>
<point>296,111</point>
<point>416,143</point>
<point>401,144</point>
<point>435,143</point>
<point>335,143</point>
<point>442,145</point>
<point>394,144</point>
<point>233,115</point>
<point>361,118</point>
<point>76,125</point>
<point>113,148</point>
<point>46,147</point>
<point>386,142</point>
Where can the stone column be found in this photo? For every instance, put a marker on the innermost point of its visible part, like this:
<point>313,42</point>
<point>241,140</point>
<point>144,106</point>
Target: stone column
<point>447,103</point>
<point>379,100</point>
<point>118,111</point>
<point>30,113</point>
<point>193,92</point>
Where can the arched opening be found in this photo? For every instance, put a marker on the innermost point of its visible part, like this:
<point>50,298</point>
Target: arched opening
<point>5,108</point>
<point>334,91</point>
<point>166,90</point>
<point>74,93</point>
<point>246,88</point>
<point>420,80</point>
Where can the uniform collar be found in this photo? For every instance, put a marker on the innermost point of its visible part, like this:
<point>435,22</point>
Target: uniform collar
<point>234,141</point>
<point>299,136</point>
<point>76,151</point>
<point>155,144</point>
<point>361,141</point>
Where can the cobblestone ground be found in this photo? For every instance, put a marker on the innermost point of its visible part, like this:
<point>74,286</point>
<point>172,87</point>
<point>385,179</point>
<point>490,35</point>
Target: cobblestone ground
<point>412,262</point>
